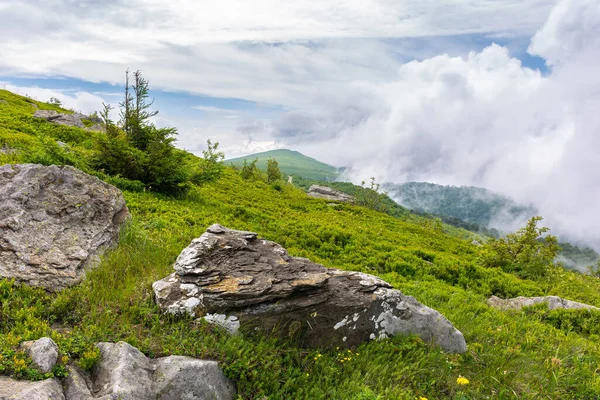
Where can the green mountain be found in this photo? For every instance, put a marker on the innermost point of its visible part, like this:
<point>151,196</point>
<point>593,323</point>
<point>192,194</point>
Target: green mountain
<point>534,353</point>
<point>467,203</point>
<point>291,163</point>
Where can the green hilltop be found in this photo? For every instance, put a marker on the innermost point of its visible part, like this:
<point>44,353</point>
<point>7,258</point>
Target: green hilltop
<point>291,163</point>
<point>531,354</point>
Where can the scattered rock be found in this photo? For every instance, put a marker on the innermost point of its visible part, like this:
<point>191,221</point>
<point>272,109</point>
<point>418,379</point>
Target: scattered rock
<point>54,223</point>
<point>2,101</point>
<point>233,278</point>
<point>59,118</point>
<point>553,302</point>
<point>324,192</point>
<point>49,389</point>
<point>123,372</point>
<point>43,353</point>
<point>7,150</point>
<point>476,243</point>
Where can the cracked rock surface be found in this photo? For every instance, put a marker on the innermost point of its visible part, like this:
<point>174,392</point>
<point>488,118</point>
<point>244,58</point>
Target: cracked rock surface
<point>235,279</point>
<point>54,222</point>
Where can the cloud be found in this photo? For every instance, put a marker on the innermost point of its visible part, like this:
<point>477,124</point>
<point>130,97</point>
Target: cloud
<point>486,120</point>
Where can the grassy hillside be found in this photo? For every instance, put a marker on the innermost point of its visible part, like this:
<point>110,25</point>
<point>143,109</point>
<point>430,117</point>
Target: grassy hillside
<point>531,354</point>
<point>291,163</point>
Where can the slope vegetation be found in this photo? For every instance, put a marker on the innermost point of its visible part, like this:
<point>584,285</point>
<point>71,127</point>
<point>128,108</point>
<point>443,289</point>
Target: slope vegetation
<point>535,353</point>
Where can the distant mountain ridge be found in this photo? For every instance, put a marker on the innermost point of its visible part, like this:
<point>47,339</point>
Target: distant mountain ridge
<point>291,163</point>
<point>467,203</point>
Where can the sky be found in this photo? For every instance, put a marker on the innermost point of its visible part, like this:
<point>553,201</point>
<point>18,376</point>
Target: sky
<point>502,94</point>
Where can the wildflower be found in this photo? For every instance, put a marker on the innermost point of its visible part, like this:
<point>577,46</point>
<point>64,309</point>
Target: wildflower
<point>461,380</point>
<point>422,398</point>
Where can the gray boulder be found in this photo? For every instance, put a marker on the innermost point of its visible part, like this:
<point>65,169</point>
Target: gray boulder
<point>43,353</point>
<point>324,192</point>
<point>123,372</point>
<point>2,101</point>
<point>553,302</point>
<point>233,278</point>
<point>54,223</point>
<point>49,389</point>
<point>59,118</point>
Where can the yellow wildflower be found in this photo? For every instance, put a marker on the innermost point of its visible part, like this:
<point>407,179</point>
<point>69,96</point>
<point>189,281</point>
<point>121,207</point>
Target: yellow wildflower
<point>461,380</point>
<point>422,398</point>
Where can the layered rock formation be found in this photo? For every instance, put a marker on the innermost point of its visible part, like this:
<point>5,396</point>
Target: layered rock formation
<point>324,192</point>
<point>233,278</point>
<point>54,222</point>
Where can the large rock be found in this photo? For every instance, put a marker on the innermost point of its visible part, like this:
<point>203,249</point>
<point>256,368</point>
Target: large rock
<point>324,192</point>
<point>49,389</point>
<point>233,278</point>
<point>123,372</point>
<point>43,353</point>
<point>553,302</point>
<point>54,222</point>
<point>59,118</point>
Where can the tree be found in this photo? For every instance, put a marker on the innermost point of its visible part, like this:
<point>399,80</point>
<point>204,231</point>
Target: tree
<point>140,150</point>
<point>210,168</point>
<point>250,172</point>
<point>371,198</point>
<point>273,172</point>
<point>526,253</point>
<point>54,101</point>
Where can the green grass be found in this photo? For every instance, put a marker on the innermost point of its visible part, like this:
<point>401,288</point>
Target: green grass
<point>291,163</point>
<point>530,354</point>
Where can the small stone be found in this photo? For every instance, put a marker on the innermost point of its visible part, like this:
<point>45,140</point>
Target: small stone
<point>43,353</point>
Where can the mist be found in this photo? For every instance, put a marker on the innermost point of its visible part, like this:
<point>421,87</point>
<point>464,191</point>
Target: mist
<point>486,120</point>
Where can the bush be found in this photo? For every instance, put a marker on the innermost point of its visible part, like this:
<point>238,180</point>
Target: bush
<point>525,253</point>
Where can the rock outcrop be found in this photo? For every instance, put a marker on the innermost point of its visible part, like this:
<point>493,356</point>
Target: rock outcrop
<point>54,222</point>
<point>233,278</point>
<point>124,373</point>
<point>59,118</point>
<point>553,302</point>
<point>71,119</point>
<point>324,192</point>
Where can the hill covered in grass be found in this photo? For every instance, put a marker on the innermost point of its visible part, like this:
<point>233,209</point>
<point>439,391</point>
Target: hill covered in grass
<point>291,163</point>
<point>530,354</point>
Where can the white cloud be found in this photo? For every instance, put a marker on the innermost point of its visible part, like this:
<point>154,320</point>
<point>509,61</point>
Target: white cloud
<point>486,120</point>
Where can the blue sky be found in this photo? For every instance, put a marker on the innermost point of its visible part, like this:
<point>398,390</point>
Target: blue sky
<point>502,94</point>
